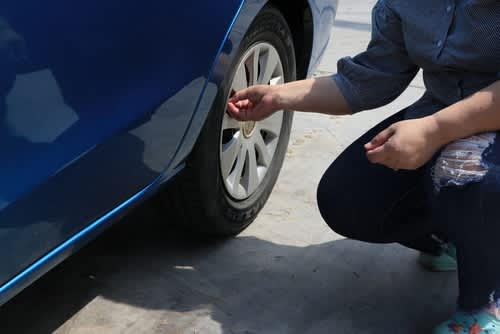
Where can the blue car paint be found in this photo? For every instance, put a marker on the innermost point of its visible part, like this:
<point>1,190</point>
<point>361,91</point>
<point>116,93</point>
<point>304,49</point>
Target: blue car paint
<point>106,195</point>
<point>114,133</point>
<point>71,245</point>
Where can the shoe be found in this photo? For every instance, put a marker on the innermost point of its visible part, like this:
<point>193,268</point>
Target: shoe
<point>469,323</point>
<point>446,261</point>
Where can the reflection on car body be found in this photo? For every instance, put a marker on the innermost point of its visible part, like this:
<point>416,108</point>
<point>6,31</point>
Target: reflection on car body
<point>102,103</point>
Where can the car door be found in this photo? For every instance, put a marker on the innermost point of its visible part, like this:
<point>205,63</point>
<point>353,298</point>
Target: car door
<point>95,97</point>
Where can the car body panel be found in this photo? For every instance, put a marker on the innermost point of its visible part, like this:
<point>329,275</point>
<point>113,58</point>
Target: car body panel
<point>103,155</point>
<point>113,133</point>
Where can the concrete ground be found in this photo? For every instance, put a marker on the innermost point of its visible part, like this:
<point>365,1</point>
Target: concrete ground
<point>288,273</point>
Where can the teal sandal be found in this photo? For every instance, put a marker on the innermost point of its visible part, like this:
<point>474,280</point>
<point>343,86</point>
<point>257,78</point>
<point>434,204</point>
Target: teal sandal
<point>446,261</point>
<point>469,323</point>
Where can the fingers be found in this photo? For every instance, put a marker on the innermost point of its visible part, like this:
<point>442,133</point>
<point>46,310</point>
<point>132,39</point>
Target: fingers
<point>384,155</point>
<point>240,95</point>
<point>378,155</point>
<point>244,104</point>
<point>377,150</point>
<point>232,108</point>
<point>380,149</point>
<point>380,139</point>
<point>235,112</point>
<point>243,111</point>
<point>239,105</point>
<point>253,94</point>
<point>252,104</point>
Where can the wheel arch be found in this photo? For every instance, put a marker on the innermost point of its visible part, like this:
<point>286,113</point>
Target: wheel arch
<point>305,23</point>
<point>299,17</point>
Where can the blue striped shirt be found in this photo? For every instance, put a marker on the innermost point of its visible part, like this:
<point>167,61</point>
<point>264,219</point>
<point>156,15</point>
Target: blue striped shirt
<point>455,42</point>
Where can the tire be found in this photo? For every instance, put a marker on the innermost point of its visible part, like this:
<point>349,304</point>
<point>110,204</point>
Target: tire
<point>200,196</point>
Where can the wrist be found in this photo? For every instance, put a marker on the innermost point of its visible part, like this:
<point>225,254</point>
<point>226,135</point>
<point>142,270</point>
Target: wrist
<point>279,98</point>
<point>437,131</point>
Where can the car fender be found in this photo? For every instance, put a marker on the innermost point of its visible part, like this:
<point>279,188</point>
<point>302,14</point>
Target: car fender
<point>323,12</point>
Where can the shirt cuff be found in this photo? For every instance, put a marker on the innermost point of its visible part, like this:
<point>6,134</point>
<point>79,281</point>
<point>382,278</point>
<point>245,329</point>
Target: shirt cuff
<point>348,92</point>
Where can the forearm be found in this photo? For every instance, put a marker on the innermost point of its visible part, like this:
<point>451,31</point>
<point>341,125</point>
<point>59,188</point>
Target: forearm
<point>319,95</point>
<point>476,114</point>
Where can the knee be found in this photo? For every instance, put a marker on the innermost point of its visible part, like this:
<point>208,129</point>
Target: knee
<point>334,208</point>
<point>462,162</point>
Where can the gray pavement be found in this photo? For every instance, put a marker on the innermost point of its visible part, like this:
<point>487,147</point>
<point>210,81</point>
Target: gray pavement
<point>287,273</point>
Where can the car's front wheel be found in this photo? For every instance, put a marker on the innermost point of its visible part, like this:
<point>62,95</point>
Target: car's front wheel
<point>234,165</point>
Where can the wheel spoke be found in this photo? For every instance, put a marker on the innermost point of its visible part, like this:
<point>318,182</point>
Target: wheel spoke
<point>252,172</point>
<point>277,80</point>
<point>252,65</point>
<point>238,170</point>
<point>240,80</point>
<point>270,61</point>
<point>261,147</point>
<point>272,124</point>
<point>229,153</point>
<point>229,123</point>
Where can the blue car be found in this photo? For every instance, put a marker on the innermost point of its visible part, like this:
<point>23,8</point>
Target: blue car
<point>105,103</point>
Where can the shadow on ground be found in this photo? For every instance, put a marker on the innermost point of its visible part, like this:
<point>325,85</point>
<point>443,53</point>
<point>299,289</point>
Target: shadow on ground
<point>166,282</point>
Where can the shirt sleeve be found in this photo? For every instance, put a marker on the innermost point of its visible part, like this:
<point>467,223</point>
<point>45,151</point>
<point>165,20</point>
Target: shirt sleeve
<point>380,74</point>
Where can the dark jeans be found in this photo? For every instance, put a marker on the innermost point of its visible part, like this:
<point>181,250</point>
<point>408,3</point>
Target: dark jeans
<point>375,204</point>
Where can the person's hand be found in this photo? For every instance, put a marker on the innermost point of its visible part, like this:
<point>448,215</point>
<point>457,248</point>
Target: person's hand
<point>405,145</point>
<point>254,103</point>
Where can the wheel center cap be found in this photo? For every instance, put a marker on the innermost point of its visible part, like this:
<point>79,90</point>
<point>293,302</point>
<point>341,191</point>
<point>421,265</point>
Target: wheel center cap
<point>247,128</point>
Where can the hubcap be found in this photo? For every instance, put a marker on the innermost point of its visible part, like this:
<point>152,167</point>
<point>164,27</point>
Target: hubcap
<point>247,148</point>
<point>247,128</point>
